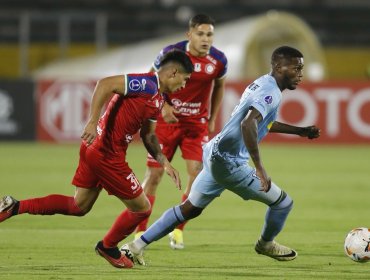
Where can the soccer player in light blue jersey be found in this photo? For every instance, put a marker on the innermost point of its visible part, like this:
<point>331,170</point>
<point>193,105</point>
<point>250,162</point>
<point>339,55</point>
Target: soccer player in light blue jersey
<point>226,157</point>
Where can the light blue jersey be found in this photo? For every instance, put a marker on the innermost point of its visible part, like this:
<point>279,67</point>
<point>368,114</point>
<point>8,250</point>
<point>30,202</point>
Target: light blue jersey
<point>265,96</point>
<point>225,157</point>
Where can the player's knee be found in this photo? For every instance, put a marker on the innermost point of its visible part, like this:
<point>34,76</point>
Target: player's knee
<point>195,170</point>
<point>189,211</point>
<point>79,211</point>
<point>152,178</point>
<point>285,203</point>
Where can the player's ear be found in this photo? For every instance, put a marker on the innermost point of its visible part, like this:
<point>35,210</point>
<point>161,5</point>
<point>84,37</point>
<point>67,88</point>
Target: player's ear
<point>188,34</point>
<point>277,67</point>
<point>174,71</point>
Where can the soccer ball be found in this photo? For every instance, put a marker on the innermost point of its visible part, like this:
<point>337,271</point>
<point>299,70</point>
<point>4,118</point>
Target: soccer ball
<point>357,244</point>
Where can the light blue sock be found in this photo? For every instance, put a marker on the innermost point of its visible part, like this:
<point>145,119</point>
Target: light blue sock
<point>275,218</point>
<point>164,225</point>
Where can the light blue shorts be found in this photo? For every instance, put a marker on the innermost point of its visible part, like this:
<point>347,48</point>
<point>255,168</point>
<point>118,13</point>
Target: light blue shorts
<point>219,174</point>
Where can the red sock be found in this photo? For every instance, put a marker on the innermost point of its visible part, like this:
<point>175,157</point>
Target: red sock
<point>144,224</point>
<point>181,226</point>
<point>50,205</point>
<point>124,225</point>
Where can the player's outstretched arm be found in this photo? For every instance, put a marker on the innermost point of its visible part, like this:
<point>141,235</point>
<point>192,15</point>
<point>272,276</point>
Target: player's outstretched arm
<point>104,90</point>
<point>249,127</point>
<point>311,132</point>
<point>147,134</point>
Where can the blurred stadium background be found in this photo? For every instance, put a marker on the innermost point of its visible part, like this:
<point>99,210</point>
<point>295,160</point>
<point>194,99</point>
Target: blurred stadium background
<point>52,53</point>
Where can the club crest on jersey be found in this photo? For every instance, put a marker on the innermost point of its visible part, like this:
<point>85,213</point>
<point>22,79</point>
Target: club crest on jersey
<point>197,67</point>
<point>268,99</point>
<point>210,68</point>
<point>129,138</point>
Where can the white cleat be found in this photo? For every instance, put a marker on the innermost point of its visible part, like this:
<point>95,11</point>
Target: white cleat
<point>136,256</point>
<point>176,239</point>
<point>274,250</point>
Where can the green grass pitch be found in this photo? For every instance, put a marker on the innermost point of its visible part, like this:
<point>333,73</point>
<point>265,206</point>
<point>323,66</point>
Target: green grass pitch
<point>329,184</point>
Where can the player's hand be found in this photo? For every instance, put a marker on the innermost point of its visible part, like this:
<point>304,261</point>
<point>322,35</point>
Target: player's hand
<point>174,174</point>
<point>89,133</point>
<point>168,113</point>
<point>311,132</point>
<point>264,178</point>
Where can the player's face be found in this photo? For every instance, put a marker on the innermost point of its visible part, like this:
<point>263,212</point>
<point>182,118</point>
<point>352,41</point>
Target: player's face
<point>178,81</point>
<point>292,72</point>
<point>200,39</point>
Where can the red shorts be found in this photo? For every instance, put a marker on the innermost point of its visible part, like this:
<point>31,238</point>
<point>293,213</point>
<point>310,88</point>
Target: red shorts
<point>95,170</point>
<point>189,137</point>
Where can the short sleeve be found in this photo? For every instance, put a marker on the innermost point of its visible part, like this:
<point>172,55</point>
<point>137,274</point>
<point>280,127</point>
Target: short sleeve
<point>263,103</point>
<point>141,83</point>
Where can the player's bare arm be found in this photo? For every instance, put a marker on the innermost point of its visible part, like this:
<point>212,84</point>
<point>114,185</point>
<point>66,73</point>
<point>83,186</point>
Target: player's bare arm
<point>147,134</point>
<point>249,127</point>
<point>216,98</point>
<point>311,132</point>
<point>103,92</point>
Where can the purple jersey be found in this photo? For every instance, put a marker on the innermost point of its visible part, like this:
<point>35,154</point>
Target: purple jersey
<point>192,101</point>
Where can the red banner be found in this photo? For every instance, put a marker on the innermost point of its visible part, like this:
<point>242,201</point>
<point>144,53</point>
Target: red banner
<point>340,109</point>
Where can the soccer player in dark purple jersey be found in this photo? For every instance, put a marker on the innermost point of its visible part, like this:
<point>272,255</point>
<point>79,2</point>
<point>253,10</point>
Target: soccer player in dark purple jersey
<point>188,122</point>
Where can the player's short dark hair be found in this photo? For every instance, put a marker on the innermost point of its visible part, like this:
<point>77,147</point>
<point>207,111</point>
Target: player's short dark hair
<point>200,19</point>
<point>179,57</point>
<point>285,52</point>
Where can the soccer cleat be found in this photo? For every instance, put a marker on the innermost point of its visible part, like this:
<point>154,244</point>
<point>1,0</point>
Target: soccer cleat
<point>113,256</point>
<point>138,234</point>
<point>7,204</point>
<point>136,256</point>
<point>176,239</point>
<point>276,251</point>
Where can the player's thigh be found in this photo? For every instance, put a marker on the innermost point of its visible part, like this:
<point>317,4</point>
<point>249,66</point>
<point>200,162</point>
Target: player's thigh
<point>241,179</point>
<point>86,197</point>
<point>117,178</point>
<point>204,189</point>
<point>85,176</point>
<point>168,136</point>
<point>193,167</point>
<point>192,140</point>
<point>248,186</point>
<point>137,204</point>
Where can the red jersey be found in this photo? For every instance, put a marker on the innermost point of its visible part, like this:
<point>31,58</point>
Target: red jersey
<point>193,100</point>
<point>126,113</point>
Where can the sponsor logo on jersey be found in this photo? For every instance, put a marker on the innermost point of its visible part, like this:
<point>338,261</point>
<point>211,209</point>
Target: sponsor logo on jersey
<point>186,108</point>
<point>143,83</point>
<point>268,99</point>
<point>210,58</point>
<point>210,68</point>
<point>134,85</point>
<point>176,102</point>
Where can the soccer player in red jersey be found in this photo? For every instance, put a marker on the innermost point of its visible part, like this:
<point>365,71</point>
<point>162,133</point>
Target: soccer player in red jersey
<point>187,123</point>
<point>135,100</point>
